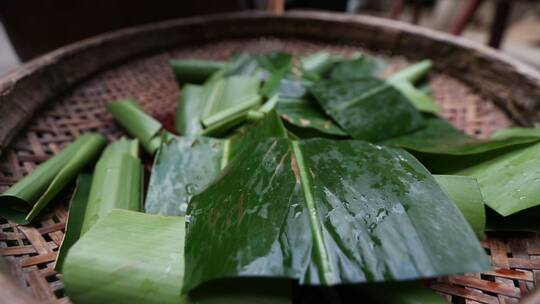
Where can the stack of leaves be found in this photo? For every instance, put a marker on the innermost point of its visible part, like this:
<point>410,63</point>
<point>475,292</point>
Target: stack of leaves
<point>311,171</point>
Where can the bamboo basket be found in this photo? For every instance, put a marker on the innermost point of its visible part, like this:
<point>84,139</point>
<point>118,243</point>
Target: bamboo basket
<point>55,98</point>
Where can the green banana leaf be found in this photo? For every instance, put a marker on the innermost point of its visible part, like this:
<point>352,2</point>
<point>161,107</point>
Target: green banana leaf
<point>304,114</point>
<point>195,70</point>
<point>326,212</point>
<point>359,67</point>
<point>132,257</point>
<point>117,182</point>
<point>516,132</point>
<point>412,73</point>
<point>465,192</point>
<point>24,200</point>
<point>417,97</point>
<point>400,293</point>
<point>368,108</point>
<point>190,107</point>
<point>509,182</point>
<point>184,166</point>
<point>137,123</point>
<point>77,207</point>
<point>316,65</point>
<point>127,257</point>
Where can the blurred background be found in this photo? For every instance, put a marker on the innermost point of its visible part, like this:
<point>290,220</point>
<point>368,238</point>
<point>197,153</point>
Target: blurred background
<point>30,28</point>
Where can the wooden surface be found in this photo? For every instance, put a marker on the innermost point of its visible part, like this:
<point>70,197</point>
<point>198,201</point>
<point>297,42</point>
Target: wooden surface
<point>67,91</point>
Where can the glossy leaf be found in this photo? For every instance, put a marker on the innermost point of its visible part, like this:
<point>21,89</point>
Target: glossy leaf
<point>305,114</point>
<point>367,108</point>
<point>360,67</point>
<point>137,123</point>
<point>184,166</point>
<point>24,200</point>
<point>509,182</point>
<point>117,182</point>
<point>77,208</point>
<point>326,212</point>
<point>465,192</point>
<point>195,70</point>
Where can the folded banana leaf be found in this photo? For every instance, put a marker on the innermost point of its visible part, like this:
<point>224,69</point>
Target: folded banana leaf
<point>127,257</point>
<point>24,200</point>
<point>368,108</point>
<point>304,114</point>
<point>326,212</point>
<point>465,192</point>
<point>138,124</point>
<point>190,107</point>
<point>117,182</point>
<point>77,208</point>
<point>509,182</point>
<point>184,166</point>
<point>400,293</point>
<point>359,67</point>
<point>195,70</point>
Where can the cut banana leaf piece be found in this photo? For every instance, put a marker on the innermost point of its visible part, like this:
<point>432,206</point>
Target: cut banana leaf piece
<point>195,70</point>
<point>516,132</point>
<point>360,67</point>
<point>137,123</point>
<point>127,257</point>
<point>25,200</point>
<point>184,166</point>
<point>509,182</point>
<point>367,108</point>
<point>465,192</point>
<point>419,99</point>
<point>191,105</point>
<point>326,212</point>
<point>117,182</point>
<point>316,65</point>
<point>77,208</point>
<point>400,293</point>
<point>304,114</point>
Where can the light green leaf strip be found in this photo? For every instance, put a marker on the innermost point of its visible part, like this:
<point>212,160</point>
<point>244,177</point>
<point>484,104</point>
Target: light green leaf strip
<point>24,200</point>
<point>324,264</point>
<point>137,123</point>
<point>465,192</point>
<point>412,73</point>
<point>77,208</point>
<point>509,182</point>
<point>117,182</point>
<point>516,132</point>
<point>195,70</point>
<point>127,257</point>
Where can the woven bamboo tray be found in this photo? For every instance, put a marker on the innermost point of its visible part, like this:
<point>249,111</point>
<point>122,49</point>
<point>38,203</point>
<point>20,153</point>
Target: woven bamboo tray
<point>48,102</point>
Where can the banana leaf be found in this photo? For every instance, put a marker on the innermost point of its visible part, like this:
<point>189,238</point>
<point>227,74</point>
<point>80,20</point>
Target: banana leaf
<point>24,200</point>
<point>368,108</point>
<point>132,257</point>
<point>190,107</point>
<point>117,182</point>
<point>359,67</point>
<point>127,257</point>
<point>316,65</point>
<point>516,132</point>
<point>400,293</point>
<point>77,207</point>
<point>184,166</point>
<point>326,212</point>
<point>195,70</point>
<point>138,124</point>
<point>302,113</point>
<point>509,182</point>
<point>465,192</point>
